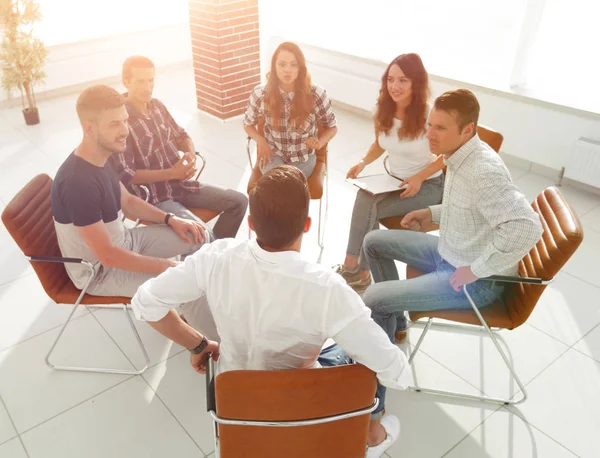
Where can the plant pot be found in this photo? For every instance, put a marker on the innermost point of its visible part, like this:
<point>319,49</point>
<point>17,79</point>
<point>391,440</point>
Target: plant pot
<point>32,116</point>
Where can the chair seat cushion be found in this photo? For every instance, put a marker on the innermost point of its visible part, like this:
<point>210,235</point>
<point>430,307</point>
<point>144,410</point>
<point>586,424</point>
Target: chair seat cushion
<point>496,314</point>
<point>205,214</point>
<point>68,294</point>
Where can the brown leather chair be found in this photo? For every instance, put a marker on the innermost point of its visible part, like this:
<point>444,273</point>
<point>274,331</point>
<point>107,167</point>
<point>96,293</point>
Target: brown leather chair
<point>292,413</point>
<point>28,219</point>
<point>204,214</point>
<point>562,235</point>
<point>317,182</point>
<point>487,135</point>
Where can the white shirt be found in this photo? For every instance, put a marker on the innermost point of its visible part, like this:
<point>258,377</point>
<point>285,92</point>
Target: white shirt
<point>485,221</point>
<point>274,310</point>
<point>407,157</point>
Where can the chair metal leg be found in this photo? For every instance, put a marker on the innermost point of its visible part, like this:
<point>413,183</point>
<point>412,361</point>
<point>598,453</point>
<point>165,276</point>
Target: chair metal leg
<point>216,438</point>
<point>507,362</point>
<point>323,218</point>
<point>450,325</point>
<point>321,227</point>
<point>97,369</point>
<point>420,341</point>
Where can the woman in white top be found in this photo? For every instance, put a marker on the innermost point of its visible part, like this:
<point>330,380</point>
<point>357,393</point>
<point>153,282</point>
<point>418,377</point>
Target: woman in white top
<point>400,129</point>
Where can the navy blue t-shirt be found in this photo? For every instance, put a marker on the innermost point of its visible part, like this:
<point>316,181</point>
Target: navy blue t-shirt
<point>83,193</point>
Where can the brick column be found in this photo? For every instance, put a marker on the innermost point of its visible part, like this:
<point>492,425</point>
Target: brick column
<point>225,47</point>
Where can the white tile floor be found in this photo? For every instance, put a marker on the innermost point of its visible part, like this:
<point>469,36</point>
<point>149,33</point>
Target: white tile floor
<point>52,414</point>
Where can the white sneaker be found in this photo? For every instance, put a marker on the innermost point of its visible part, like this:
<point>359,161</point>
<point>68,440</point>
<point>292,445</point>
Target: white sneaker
<point>391,424</point>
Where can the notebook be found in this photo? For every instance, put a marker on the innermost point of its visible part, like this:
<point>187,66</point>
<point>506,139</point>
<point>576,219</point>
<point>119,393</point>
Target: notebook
<point>377,184</point>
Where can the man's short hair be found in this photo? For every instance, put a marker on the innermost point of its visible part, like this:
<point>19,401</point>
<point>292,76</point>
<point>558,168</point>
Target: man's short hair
<point>135,62</point>
<point>279,206</point>
<point>96,99</point>
<point>461,101</point>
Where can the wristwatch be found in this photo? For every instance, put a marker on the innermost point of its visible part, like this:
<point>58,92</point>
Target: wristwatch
<point>168,216</point>
<point>200,348</point>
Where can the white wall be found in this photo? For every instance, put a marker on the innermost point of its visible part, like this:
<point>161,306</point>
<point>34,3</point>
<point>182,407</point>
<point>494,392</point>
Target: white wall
<point>75,64</point>
<point>534,131</point>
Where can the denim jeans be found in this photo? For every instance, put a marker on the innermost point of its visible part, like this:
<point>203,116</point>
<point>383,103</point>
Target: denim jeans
<point>390,297</point>
<point>369,209</point>
<point>334,355</point>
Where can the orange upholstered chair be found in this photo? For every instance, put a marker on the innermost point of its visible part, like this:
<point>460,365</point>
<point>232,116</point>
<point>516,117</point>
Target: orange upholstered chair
<point>292,413</point>
<point>28,219</point>
<point>562,235</point>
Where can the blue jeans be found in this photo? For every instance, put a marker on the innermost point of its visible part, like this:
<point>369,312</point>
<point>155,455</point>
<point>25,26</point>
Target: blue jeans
<point>390,297</point>
<point>334,355</point>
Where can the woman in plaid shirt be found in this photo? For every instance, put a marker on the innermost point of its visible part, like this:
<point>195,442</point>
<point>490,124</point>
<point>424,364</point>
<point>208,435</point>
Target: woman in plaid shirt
<point>290,107</point>
<point>400,127</point>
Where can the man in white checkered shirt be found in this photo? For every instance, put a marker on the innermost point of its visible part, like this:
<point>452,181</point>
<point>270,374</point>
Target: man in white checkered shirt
<point>486,227</point>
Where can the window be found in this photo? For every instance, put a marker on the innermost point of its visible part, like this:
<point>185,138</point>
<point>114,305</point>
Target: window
<point>532,47</point>
<point>472,40</point>
<point>562,62</point>
<point>68,21</point>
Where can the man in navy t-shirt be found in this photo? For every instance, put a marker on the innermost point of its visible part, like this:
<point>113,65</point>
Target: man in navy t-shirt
<point>88,202</point>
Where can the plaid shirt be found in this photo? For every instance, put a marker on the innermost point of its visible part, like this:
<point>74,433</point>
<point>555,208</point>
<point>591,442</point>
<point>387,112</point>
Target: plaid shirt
<point>152,144</point>
<point>485,221</point>
<point>284,140</point>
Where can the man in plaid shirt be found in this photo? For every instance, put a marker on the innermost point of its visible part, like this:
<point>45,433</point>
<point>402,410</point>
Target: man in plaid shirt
<point>486,227</point>
<point>152,157</point>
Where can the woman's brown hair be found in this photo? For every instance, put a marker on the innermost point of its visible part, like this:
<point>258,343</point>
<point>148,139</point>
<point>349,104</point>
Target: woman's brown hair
<point>303,102</point>
<point>413,125</point>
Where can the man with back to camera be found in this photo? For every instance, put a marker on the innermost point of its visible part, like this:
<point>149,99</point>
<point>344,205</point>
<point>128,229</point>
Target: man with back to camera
<point>272,309</point>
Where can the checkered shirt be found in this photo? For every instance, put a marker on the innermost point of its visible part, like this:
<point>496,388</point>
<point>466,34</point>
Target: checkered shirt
<point>284,140</point>
<point>485,221</point>
<point>152,145</point>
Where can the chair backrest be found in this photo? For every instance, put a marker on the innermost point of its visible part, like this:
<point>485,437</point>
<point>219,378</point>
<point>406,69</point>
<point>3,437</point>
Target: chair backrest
<point>562,235</point>
<point>290,395</point>
<point>28,219</point>
<point>491,137</point>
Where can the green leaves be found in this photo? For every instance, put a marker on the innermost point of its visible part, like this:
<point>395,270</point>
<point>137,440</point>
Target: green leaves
<point>22,56</point>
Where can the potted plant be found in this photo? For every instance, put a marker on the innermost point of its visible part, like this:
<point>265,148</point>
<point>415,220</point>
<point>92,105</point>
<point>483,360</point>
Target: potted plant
<point>22,56</point>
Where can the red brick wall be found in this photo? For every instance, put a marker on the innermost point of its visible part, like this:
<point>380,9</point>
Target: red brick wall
<point>225,47</point>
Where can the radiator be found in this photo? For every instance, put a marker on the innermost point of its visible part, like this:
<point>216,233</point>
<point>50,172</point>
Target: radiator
<point>584,162</point>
